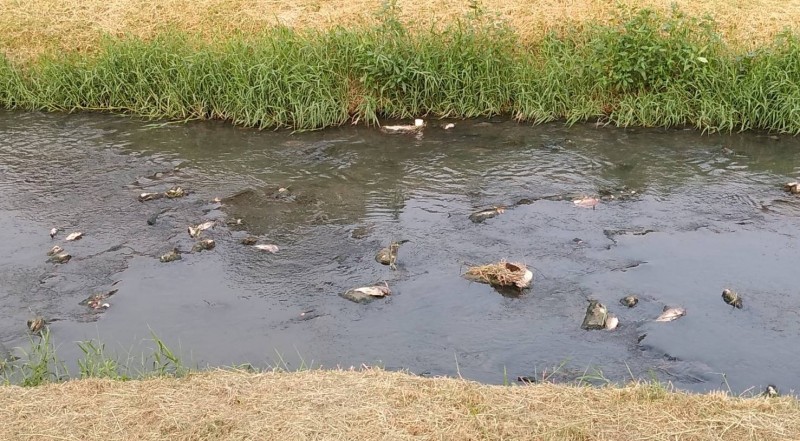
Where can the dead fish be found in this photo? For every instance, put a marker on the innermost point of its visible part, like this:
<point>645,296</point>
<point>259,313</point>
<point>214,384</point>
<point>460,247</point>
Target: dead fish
<point>629,301</point>
<point>670,314</point>
<point>732,298</point>
<point>611,322</point>
<point>74,236</point>
<point>270,248</point>
<point>36,324</point>
<point>95,301</point>
<point>449,126</point>
<point>419,124</point>
<point>480,216</point>
<point>771,391</point>
<point>150,196</point>
<point>388,255</point>
<point>53,232</point>
<point>175,192</point>
<point>586,202</point>
<point>236,221</point>
<point>55,250</point>
<point>60,258</point>
<point>249,240</point>
<point>195,231</point>
<point>367,293</point>
<point>205,244</point>
<point>596,316</point>
<point>171,256</point>
<point>792,187</point>
<point>525,280</point>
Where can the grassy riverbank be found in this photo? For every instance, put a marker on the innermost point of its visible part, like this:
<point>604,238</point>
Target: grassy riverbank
<point>633,68</point>
<point>33,27</point>
<point>379,405</point>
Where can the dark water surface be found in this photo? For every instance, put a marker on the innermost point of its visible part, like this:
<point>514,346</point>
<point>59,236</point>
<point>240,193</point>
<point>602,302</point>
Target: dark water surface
<point>720,219</point>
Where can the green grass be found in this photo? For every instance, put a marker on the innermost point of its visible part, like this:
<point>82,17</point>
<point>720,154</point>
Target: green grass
<point>647,70</point>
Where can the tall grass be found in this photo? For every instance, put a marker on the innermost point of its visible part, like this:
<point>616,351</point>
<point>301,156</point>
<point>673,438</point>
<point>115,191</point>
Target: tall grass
<point>643,69</point>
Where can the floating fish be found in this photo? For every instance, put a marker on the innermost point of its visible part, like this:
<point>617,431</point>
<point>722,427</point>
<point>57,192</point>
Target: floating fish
<point>596,316</point>
<point>732,298</point>
<point>95,301</point>
<point>611,322</point>
<point>36,324</point>
<point>171,256</point>
<point>792,187</point>
<point>55,250</point>
<point>419,124</point>
<point>270,248</point>
<point>771,391</point>
<point>670,314</point>
<point>480,216</point>
<point>74,236</point>
<point>388,255</point>
<point>150,196</point>
<point>449,126</point>
<point>525,280</point>
<point>586,202</point>
<point>629,301</point>
<point>249,240</point>
<point>53,232</point>
<point>175,192</point>
<point>367,293</point>
<point>195,231</point>
<point>205,244</point>
<point>60,258</point>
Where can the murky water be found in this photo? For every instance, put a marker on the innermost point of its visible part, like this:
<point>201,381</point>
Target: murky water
<point>719,219</point>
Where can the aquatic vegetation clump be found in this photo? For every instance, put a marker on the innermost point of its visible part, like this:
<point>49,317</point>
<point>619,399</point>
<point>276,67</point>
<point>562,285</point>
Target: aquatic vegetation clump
<point>643,68</point>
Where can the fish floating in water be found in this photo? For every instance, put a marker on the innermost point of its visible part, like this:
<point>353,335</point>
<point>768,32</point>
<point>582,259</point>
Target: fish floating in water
<point>366,294</point>
<point>36,324</point>
<point>670,314</point>
<point>195,230</point>
<point>74,236</point>
<point>611,322</point>
<point>205,244</point>
<point>419,124</point>
<point>480,216</point>
<point>175,192</point>
<point>53,232</point>
<point>270,248</point>
<point>586,202</point>
<point>170,256</point>
<point>771,391</point>
<point>792,187</point>
<point>55,250</point>
<point>629,301</point>
<point>150,196</point>
<point>732,298</point>
<point>249,240</point>
<point>388,255</point>
<point>61,257</point>
<point>95,301</point>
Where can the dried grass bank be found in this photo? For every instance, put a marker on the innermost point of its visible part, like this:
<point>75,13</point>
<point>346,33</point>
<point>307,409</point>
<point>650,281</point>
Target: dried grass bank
<point>379,405</point>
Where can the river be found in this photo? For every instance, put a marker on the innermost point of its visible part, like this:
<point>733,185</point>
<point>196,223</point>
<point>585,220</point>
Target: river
<point>714,204</point>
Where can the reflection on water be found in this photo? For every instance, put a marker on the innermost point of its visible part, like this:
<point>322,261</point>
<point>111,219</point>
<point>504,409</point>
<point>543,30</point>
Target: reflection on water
<point>714,203</point>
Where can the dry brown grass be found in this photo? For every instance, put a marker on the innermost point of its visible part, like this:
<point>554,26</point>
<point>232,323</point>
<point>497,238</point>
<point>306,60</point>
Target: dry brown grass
<point>499,274</point>
<point>28,28</point>
<point>378,405</point>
